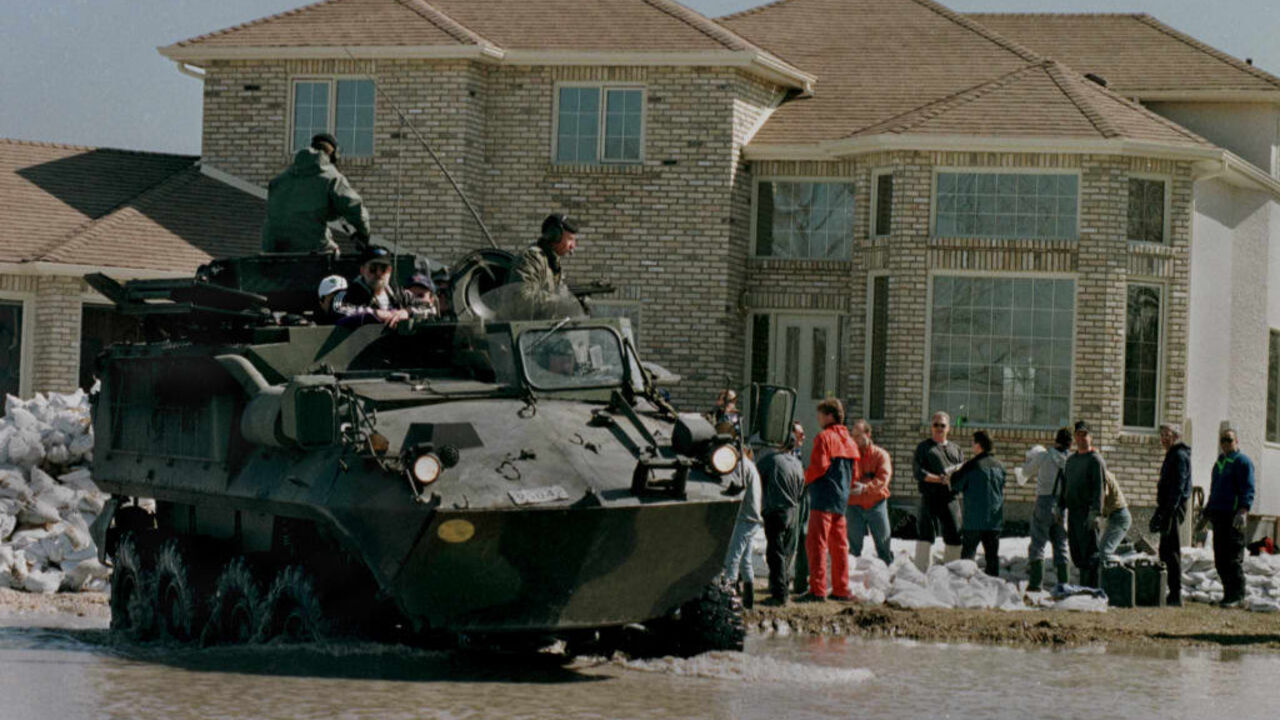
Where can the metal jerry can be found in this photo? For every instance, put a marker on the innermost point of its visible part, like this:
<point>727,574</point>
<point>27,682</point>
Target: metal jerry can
<point>1118,584</point>
<point>1150,579</point>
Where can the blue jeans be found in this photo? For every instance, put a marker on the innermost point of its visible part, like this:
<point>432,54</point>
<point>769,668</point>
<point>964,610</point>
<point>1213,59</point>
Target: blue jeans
<point>1044,529</point>
<point>1117,527</point>
<point>738,559</point>
<point>875,519</point>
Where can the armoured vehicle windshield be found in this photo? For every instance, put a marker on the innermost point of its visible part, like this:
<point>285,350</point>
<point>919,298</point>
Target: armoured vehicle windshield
<point>559,359</point>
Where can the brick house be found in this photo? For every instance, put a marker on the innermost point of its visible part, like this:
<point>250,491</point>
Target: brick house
<point>77,210</point>
<point>886,201</point>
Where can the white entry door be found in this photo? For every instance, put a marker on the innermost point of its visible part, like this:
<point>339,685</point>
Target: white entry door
<point>804,353</point>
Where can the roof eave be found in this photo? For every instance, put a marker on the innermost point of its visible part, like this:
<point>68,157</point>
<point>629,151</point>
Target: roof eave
<point>761,64</point>
<point>57,269</point>
<point>845,147</point>
<point>1223,96</point>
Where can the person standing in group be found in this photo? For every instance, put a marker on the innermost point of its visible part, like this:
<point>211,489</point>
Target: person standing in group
<point>1084,482</point>
<point>869,495</point>
<point>981,479</point>
<point>1046,522</point>
<point>782,478</point>
<point>1173,491</point>
<point>799,553</point>
<point>1115,516</point>
<point>827,481</point>
<point>737,561</point>
<point>934,459</point>
<point>1230,498</point>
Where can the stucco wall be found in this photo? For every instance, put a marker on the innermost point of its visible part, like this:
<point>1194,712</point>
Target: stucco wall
<point>1250,130</point>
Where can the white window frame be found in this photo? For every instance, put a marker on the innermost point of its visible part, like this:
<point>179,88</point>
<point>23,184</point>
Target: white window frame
<point>604,87</point>
<point>926,412</point>
<point>755,211</point>
<point>872,276</point>
<point>331,121</point>
<point>26,352</point>
<point>1164,317</point>
<point>933,194</point>
<point>873,231</point>
<point>1168,207</point>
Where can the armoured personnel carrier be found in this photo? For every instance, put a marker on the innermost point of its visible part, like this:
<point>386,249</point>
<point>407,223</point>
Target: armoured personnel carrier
<point>465,480</point>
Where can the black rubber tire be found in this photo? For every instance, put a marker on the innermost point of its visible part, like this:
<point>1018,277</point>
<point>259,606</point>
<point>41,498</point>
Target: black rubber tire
<point>711,622</point>
<point>132,613</point>
<point>293,612</point>
<point>180,610</point>
<point>237,607</point>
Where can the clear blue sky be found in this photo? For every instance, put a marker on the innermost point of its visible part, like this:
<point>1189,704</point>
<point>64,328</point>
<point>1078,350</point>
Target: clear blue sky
<point>86,72</point>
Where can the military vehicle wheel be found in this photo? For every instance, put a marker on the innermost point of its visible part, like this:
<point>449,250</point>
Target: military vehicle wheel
<point>131,611</point>
<point>178,596</point>
<point>292,612</point>
<point>237,606</point>
<point>711,622</point>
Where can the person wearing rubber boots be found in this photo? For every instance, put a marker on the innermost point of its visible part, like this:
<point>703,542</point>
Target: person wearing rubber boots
<point>1231,492</point>
<point>1173,492</point>
<point>799,555</point>
<point>782,477</point>
<point>935,458</point>
<point>1083,487</point>
<point>737,562</point>
<point>302,200</point>
<point>1045,465</point>
<point>827,480</point>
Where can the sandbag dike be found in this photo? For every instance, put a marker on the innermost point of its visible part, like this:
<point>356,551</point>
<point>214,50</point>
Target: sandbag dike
<point>47,496</point>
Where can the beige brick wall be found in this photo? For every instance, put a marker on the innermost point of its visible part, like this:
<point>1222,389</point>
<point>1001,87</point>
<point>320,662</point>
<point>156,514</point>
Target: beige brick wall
<point>51,358</point>
<point>1102,262</point>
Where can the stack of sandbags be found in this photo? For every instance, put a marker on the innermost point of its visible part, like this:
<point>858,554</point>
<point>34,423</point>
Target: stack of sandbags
<point>47,497</point>
<point>957,584</point>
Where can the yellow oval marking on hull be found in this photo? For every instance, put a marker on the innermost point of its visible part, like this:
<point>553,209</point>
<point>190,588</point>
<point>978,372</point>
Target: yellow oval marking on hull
<point>456,531</point>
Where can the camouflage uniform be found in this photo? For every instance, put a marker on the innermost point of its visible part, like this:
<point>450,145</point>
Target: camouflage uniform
<point>541,279</point>
<point>303,198</point>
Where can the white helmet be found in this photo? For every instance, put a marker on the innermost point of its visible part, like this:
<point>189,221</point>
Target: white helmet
<point>332,284</point>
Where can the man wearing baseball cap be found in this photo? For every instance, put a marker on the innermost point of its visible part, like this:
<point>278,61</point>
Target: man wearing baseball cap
<point>373,298</point>
<point>304,198</point>
<point>1084,478</point>
<point>541,278</point>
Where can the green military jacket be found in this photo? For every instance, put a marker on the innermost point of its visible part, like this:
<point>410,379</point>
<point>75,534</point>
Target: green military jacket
<point>303,199</point>
<point>542,285</point>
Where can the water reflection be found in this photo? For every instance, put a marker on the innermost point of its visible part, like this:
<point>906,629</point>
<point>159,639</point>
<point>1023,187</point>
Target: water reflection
<point>85,672</point>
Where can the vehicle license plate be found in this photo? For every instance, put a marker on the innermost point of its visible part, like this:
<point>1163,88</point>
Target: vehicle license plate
<point>532,496</point>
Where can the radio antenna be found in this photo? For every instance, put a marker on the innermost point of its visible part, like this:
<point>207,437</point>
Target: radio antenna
<point>404,120</point>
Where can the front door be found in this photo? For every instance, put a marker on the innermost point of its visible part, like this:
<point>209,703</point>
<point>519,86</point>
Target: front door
<point>804,353</point>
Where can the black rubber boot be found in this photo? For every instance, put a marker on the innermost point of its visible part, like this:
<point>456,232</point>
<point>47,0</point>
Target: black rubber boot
<point>1064,573</point>
<point>1035,576</point>
<point>748,593</point>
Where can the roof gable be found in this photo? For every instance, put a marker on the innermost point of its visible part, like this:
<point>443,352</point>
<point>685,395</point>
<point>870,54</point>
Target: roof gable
<point>1135,53</point>
<point>94,206</point>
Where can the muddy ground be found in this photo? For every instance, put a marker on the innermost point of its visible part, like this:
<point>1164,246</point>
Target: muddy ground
<point>1195,624</point>
<point>83,604</point>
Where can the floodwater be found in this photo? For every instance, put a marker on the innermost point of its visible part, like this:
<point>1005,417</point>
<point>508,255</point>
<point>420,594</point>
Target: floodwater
<point>77,670</point>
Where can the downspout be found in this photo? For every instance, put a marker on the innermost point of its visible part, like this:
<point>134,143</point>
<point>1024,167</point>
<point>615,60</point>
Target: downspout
<point>186,70</point>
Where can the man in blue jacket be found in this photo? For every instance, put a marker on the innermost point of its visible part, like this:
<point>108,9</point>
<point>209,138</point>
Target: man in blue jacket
<point>1172,493</point>
<point>1230,497</point>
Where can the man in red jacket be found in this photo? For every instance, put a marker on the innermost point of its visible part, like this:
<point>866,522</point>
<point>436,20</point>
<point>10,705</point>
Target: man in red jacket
<point>827,480</point>
<point>869,495</point>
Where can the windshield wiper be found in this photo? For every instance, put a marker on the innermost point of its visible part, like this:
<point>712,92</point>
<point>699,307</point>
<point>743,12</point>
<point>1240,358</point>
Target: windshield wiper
<point>548,333</point>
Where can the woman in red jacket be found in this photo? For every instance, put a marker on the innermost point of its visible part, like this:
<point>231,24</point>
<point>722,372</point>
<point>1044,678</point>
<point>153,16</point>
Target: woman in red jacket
<point>827,480</point>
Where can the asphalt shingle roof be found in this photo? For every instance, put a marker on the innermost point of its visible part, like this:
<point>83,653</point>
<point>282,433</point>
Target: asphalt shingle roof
<point>1134,52</point>
<point>115,208</point>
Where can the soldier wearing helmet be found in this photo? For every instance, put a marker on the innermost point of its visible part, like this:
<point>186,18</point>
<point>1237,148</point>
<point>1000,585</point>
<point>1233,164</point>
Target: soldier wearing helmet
<point>304,198</point>
<point>541,278</point>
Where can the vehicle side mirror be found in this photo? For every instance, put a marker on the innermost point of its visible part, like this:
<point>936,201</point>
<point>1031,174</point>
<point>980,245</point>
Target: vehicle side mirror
<point>772,411</point>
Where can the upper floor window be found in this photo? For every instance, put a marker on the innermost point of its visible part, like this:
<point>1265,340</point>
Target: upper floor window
<point>882,221</point>
<point>1146,210</point>
<point>599,124</point>
<point>341,107</point>
<point>804,220</point>
<point>1007,205</point>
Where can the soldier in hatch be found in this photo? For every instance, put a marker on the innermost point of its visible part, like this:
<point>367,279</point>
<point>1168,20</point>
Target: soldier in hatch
<point>542,285</point>
<point>304,198</point>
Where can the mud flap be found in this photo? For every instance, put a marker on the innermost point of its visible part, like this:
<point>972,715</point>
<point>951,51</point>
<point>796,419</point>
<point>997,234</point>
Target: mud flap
<point>98,530</point>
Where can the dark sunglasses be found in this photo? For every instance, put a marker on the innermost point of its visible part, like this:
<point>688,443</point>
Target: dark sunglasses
<point>941,425</point>
<point>1226,440</point>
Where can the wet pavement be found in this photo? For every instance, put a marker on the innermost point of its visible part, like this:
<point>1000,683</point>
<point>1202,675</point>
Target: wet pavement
<point>77,669</point>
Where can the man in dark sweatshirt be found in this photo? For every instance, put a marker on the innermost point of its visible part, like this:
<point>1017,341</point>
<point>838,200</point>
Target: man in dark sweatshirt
<point>1172,493</point>
<point>1230,497</point>
<point>1084,480</point>
<point>783,479</point>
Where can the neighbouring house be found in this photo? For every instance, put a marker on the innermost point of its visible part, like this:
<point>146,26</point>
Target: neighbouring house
<point>1023,220</point>
<point>71,211</point>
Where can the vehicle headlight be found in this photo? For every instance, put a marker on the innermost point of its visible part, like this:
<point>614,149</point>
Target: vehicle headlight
<point>724,459</point>
<point>426,468</point>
